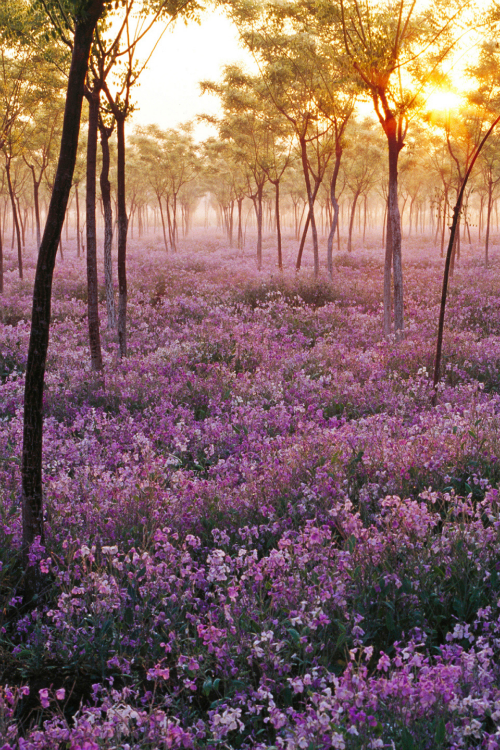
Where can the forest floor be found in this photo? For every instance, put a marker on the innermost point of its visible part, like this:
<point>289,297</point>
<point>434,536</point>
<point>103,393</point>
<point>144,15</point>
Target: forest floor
<point>260,533</point>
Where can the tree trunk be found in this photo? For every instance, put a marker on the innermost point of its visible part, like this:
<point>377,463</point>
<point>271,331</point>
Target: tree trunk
<point>92,282</point>
<point>22,224</point>
<point>15,220</point>
<point>175,232</point>
<point>445,208</point>
<point>171,233</point>
<point>394,220</point>
<point>365,210</point>
<point>162,222</point>
<point>122,238</point>
<point>1,258</point>
<point>351,221</point>
<point>108,226</point>
<point>78,247</point>
<point>304,233</point>
<point>31,471</point>
<point>230,223</point>
<point>310,198</point>
<point>335,205</point>
<point>488,222</point>
<point>278,223</point>
<point>240,226</point>
<point>36,201</point>
<point>387,279</point>
<point>257,202</point>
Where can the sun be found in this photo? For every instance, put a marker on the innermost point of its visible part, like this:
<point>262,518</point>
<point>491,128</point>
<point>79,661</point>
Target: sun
<point>443,100</point>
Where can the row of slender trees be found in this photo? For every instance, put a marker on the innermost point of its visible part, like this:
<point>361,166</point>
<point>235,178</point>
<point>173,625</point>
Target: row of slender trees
<point>169,173</point>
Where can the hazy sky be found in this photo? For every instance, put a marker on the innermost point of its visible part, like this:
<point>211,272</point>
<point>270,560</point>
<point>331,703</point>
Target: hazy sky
<point>169,93</point>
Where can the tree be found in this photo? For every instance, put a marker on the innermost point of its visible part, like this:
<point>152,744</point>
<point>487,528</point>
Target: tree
<point>486,94</point>
<point>79,20</point>
<point>224,177</point>
<point>106,131</point>
<point>40,141</point>
<point>361,166</point>
<point>138,20</point>
<point>490,178</point>
<point>394,48</point>
<point>244,125</point>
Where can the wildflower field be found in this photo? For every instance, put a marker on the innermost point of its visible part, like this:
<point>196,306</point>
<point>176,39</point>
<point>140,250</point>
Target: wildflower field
<point>260,533</point>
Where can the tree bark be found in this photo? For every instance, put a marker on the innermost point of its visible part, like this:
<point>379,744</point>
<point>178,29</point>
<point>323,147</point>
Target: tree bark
<point>278,223</point>
<point>162,222</point>
<point>445,208</point>
<point>93,97</point>
<point>1,258</point>
<point>122,238</point>
<point>351,221</point>
<point>311,195</point>
<point>36,201</point>
<point>257,202</point>
<point>488,222</point>
<point>77,222</point>
<point>387,279</point>
<point>335,206</point>
<point>394,220</point>
<point>15,218</point>
<point>108,226</point>
<point>31,471</point>
<point>298,262</point>
<point>240,226</point>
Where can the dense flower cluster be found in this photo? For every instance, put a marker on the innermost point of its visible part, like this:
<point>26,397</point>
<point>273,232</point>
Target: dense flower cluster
<point>260,534</point>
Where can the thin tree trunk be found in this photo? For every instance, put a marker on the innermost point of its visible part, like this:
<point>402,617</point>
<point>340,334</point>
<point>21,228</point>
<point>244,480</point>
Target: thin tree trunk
<point>364,218</point>
<point>335,206</point>
<point>311,195</point>
<point>171,232</point>
<point>258,213</point>
<point>14,218</point>
<point>394,220</point>
<point>31,471</point>
<point>278,223</point>
<point>445,207</point>
<point>1,259</point>
<point>122,239</point>
<point>36,201</point>
<point>22,224</point>
<point>304,233</point>
<point>488,221</point>
<point>387,280</point>
<point>230,223</point>
<point>78,246</point>
<point>162,222</point>
<point>240,226</point>
<point>108,226</point>
<point>351,221</point>
<point>92,282</point>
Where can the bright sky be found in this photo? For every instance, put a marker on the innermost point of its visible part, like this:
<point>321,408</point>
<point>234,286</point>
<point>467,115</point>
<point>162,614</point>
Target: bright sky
<point>169,92</point>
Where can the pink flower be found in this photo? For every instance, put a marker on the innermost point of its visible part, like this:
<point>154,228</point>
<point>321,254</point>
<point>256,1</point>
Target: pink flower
<point>44,697</point>
<point>384,662</point>
<point>60,694</point>
<point>158,673</point>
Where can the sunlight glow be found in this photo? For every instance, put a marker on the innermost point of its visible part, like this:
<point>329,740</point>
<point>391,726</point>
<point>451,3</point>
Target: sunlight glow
<point>442,100</point>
